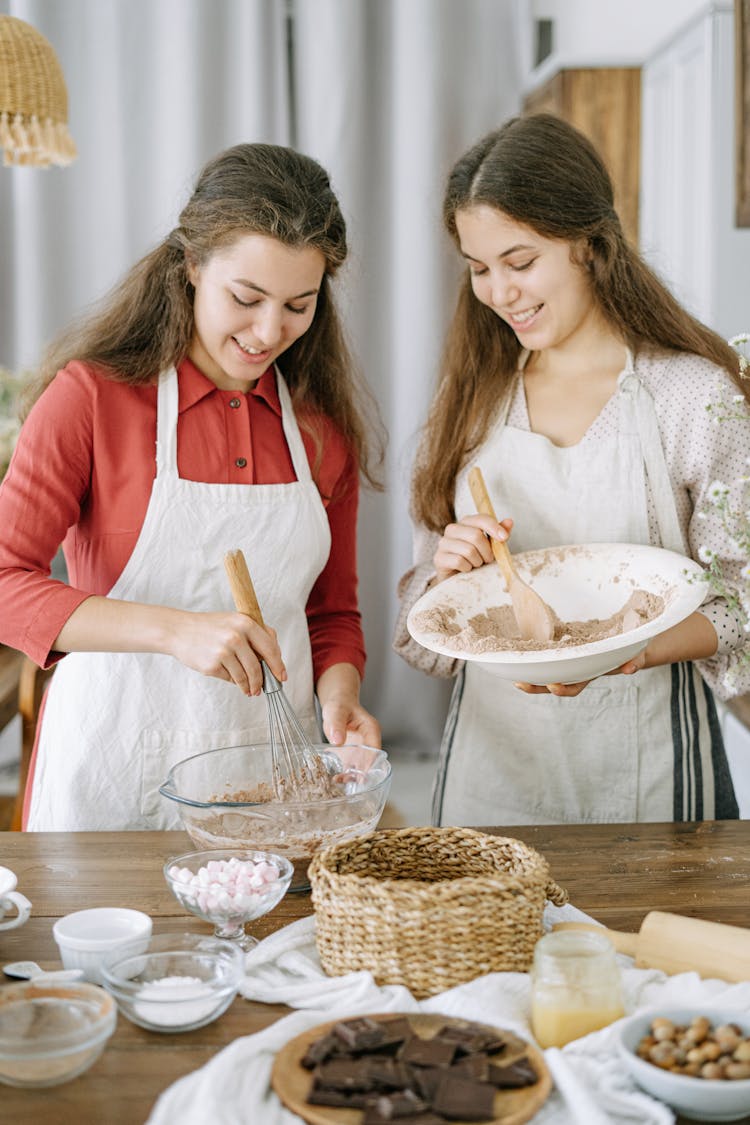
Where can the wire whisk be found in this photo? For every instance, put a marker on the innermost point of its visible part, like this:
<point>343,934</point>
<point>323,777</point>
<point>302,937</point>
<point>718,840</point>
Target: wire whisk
<point>297,766</point>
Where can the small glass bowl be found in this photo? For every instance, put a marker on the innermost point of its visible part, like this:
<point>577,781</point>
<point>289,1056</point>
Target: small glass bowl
<point>149,991</point>
<point>50,1033</point>
<point>215,899</point>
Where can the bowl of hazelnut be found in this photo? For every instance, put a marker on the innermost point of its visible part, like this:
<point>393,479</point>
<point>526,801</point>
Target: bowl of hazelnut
<point>695,1060</point>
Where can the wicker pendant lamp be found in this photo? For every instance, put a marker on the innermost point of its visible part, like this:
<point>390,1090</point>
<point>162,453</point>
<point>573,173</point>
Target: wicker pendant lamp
<point>33,98</point>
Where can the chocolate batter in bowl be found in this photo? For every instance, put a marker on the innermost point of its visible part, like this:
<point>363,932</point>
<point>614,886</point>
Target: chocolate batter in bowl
<point>226,800</point>
<point>609,599</point>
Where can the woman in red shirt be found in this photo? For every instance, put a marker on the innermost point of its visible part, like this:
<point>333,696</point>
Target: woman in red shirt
<point>167,434</point>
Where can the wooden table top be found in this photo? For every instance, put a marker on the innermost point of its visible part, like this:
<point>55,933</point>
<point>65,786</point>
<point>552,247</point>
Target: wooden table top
<point>616,873</point>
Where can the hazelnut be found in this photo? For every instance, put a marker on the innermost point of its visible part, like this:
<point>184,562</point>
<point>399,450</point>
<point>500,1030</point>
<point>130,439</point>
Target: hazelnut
<point>711,1050</point>
<point>737,1070</point>
<point>712,1070</point>
<point>662,1055</point>
<point>742,1051</point>
<point>664,1032</point>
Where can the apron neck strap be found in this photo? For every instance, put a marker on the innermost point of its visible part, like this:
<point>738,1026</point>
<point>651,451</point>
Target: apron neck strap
<point>167,411</point>
<point>639,403</point>
<point>291,431</point>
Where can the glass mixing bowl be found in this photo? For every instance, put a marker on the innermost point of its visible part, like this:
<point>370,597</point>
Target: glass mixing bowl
<point>52,1031</point>
<point>226,801</point>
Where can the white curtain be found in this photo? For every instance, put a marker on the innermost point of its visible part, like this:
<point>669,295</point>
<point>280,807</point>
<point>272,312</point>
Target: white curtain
<point>385,93</point>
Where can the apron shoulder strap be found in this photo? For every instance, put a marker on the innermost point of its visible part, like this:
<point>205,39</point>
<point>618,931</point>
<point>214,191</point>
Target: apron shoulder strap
<point>639,402</point>
<point>167,411</point>
<point>291,431</point>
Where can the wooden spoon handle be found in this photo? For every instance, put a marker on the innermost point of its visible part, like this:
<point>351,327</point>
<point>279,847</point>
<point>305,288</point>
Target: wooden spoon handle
<point>242,587</point>
<point>481,498</point>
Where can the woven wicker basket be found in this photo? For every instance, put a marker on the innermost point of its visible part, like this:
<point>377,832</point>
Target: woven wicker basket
<point>429,908</point>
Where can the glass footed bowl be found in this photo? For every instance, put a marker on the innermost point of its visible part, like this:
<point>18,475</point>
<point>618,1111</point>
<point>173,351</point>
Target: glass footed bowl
<point>226,801</point>
<point>229,888</point>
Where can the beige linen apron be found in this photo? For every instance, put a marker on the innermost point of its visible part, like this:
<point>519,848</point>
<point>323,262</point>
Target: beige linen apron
<point>628,748</point>
<point>114,723</point>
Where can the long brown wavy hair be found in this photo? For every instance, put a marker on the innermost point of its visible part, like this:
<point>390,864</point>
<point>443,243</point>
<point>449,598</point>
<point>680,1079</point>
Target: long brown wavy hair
<point>145,324</point>
<point>547,175</point>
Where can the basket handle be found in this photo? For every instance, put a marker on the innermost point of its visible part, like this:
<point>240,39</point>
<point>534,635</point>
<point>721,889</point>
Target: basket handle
<point>556,894</point>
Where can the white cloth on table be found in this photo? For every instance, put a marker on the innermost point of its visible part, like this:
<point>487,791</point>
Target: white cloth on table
<point>590,1082</point>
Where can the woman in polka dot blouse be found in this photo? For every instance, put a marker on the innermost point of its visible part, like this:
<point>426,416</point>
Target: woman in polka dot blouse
<point>580,386</point>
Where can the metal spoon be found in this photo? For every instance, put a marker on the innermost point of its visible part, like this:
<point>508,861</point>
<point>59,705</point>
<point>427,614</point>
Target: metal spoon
<point>29,970</point>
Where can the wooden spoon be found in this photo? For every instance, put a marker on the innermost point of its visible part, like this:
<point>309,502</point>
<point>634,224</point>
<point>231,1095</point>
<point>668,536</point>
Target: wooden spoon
<point>534,617</point>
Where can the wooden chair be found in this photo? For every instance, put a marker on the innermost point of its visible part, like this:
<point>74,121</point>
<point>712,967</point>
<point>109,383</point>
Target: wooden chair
<point>31,685</point>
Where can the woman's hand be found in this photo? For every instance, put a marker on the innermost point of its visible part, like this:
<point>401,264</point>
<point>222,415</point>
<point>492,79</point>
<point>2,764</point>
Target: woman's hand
<point>693,639</point>
<point>571,690</point>
<point>229,646</point>
<point>344,717</point>
<point>466,545</point>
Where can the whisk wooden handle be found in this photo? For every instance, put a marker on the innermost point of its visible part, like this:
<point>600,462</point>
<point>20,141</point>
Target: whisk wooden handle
<point>481,498</point>
<point>241,585</point>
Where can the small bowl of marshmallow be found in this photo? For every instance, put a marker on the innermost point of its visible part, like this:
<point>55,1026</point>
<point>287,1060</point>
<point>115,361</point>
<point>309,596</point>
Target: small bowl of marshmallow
<point>229,888</point>
<point>178,983</point>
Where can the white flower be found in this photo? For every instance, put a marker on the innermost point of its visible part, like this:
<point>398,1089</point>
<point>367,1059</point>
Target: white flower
<point>741,338</point>
<point>745,572</point>
<point>718,491</point>
<point>706,555</point>
<point>702,516</point>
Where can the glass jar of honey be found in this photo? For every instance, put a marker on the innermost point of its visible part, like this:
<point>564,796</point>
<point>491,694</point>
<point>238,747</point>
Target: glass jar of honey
<point>575,986</point>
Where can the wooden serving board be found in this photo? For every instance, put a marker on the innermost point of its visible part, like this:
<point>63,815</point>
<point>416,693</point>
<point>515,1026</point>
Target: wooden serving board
<point>292,1081</point>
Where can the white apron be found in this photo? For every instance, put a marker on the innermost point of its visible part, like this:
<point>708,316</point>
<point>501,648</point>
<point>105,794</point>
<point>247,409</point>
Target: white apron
<point>629,748</point>
<point>114,723</point>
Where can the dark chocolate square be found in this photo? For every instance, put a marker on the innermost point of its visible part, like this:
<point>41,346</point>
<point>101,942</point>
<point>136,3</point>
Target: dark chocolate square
<point>343,1074</point>
<point>425,1080</point>
<point>462,1099</point>
<point>427,1052</point>
<point>389,1074</point>
<point>471,1040</point>
<point>518,1073</point>
<point>338,1098</point>
<point>359,1035</point>
<point>320,1050</point>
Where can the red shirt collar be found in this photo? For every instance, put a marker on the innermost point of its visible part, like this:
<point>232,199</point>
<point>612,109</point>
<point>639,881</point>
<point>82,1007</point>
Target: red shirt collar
<point>194,386</point>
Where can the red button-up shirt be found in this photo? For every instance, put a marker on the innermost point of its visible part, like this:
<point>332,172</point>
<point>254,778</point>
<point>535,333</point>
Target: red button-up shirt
<point>82,475</point>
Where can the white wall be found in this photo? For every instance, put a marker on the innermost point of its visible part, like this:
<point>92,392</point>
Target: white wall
<point>605,32</point>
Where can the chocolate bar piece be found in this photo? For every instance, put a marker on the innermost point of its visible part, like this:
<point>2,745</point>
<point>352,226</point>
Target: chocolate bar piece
<point>339,1098</point>
<point>343,1074</point>
<point>472,1039</point>
<point>388,1073</point>
<point>473,1066</point>
<point>372,1117</point>
<point>518,1073</point>
<point>462,1099</point>
<point>404,1106</point>
<point>320,1050</point>
<point>426,1080</point>
<point>427,1052</point>
<point>360,1034</point>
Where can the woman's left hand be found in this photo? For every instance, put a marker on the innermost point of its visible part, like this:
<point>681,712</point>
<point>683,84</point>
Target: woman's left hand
<point>692,639</point>
<point>344,717</point>
<point>570,690</point>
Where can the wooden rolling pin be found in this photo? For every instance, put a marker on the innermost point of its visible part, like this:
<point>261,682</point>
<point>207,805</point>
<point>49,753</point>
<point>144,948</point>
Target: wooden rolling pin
<point>677,944</point>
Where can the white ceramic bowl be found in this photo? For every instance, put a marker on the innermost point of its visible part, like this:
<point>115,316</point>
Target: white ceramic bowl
<point>700,1099</point>
<point>211,969</point>
<point>51,1032</point>
<point>86,937</point>
<point>580,583</point>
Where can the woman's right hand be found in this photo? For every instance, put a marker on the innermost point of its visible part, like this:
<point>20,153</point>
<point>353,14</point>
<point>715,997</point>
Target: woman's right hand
<point>228,646</point>
<point>466,544</point>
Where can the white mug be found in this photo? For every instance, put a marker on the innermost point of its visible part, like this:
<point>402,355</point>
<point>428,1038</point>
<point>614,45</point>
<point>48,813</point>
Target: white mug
<point>9,898</point>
